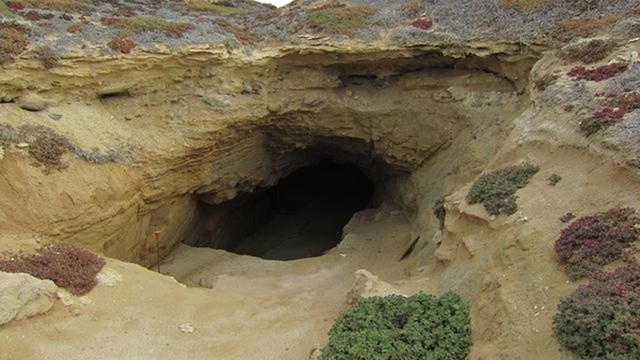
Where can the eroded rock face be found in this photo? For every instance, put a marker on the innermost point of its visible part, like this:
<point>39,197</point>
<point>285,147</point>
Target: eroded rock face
<point>22,296</point>
<point>387,111</point>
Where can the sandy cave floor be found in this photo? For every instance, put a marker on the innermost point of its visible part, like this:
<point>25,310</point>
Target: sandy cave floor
<point>256,309</point>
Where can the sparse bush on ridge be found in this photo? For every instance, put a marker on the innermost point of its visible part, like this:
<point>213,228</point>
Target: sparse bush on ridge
<point>593,241</point>
<point>224,8</point>
<point>70,267</point>
<point>588,52</point>
<point>601,320</point>
<point>62,5</point>
<point>398,327</point>
<point>526,5</point>
<point>496,189</point>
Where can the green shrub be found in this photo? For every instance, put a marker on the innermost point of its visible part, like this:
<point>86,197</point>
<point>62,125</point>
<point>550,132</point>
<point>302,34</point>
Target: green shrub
<point>395,327</point>
<point>601,320</point>
<point>496,189</point>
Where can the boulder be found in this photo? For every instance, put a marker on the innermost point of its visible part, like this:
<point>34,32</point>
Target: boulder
<point>367,285</point>
<point>33,102</point>
<point>22,296</point>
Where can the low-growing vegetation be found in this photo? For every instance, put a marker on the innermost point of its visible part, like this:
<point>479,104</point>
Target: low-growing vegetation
<point>340,18</point>
<point>554,179</point>
<point>567,217</point>
<point>398,327</point>
<point>601,320</point>
<point>440,212</point>
<point>618,106</point>
<point>599,73</point>
<point>121,45</point>
<point>591,242</point>
<point>422,24</point>
<point>13,41</point>
<point>47,56</point>
<point>589,52</point>
<point>44,145</point>
<point>68,266</point>
<point>496,189</point>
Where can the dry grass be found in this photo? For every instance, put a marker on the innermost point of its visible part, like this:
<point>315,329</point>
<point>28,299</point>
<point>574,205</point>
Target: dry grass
<point>139,24</point>
<point>219,7</point>
<point>588,27</point>
<point>589,52</point>
<point>63,5</point>
<point>340,19</point>
<point>4,10</point>
<point>526,5</point>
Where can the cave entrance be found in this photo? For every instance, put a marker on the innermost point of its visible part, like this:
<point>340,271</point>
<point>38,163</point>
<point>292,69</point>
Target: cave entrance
<point>302,216</point>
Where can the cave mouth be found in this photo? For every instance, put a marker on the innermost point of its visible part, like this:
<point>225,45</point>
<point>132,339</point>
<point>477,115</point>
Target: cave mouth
<point>302,216</point>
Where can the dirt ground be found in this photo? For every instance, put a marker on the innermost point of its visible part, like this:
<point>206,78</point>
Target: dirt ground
<point>256,309</point>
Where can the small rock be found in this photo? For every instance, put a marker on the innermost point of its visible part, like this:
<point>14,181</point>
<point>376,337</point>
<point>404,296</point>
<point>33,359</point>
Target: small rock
<point>75,312</point>
<point>311,100</point>
<point>216,100</point>
<point>55,116</point>
<point>22,145</point>
<point>316,352</point>
<point>128,117</point>
<point>523,219</point>
<point>208,283</point>
<point>8,98</point>
<point>117,89</point>
<point>186,328</point>
<point>1,153</point>
<point>274,108</point>
<point>349,93</point>
<point>33,102</point>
